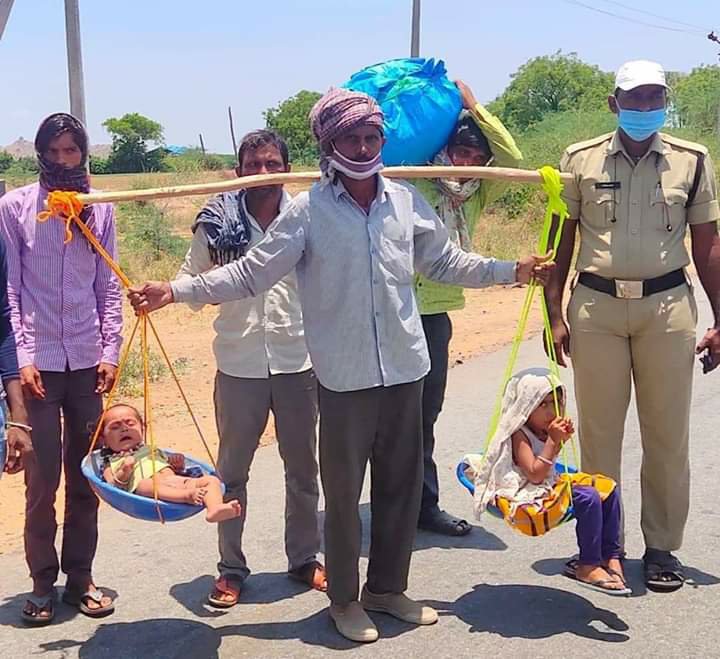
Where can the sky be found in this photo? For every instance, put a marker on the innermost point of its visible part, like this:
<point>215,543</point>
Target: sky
<point>183,62</point>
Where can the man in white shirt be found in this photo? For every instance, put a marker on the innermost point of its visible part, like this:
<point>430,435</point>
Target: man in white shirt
<point>262,365</point>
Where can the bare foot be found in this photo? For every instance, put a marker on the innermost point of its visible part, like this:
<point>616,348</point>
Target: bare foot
<point>196,496</point>
<point>224,511</point>
<point>615,568</point>
<point>593,573</point>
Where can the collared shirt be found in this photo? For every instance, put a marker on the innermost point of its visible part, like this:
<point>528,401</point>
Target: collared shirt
<point>355,271</point>
<point>633,216</point>
<point>257,336</point>
<point>65,301</point>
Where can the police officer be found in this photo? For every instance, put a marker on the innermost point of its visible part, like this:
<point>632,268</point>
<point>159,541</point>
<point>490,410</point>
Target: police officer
<point>632,313</point>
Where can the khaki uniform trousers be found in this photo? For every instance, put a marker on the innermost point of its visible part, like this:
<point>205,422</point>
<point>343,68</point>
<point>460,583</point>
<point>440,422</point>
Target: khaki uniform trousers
<point>651,340</point>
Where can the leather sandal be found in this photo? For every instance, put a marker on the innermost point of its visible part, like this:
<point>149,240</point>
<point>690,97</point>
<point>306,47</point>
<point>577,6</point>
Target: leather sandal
<point>225,593</point>
<point>311,574</point>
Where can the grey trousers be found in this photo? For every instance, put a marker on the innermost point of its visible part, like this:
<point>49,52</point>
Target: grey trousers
<point>241,412</point>
<point>382,425</point>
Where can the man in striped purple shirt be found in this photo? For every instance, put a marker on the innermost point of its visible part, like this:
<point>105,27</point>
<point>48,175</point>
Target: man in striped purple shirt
<point>67,318</point>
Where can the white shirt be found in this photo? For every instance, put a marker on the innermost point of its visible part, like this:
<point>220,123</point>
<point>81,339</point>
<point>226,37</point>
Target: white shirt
<point>257,336</point>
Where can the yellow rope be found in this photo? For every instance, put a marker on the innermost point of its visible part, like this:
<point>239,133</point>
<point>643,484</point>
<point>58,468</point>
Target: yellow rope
<point>555,209</point>
<point>111,394</point>
<point>67,207</point>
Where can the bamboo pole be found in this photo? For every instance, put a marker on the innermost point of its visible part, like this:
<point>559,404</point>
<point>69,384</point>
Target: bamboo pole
<point>489,173</point>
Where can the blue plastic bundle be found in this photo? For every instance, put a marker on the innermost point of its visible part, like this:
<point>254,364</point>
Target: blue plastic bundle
<point>420,103</point>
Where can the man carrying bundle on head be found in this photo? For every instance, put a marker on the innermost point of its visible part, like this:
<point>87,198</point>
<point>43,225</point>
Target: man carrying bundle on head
<point>479,140</point>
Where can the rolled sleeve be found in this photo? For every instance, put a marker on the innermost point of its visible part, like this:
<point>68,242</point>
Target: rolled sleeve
<point>705,207</point>
<point>571,189</point>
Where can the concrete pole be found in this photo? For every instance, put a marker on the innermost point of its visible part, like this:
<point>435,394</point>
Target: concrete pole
<point>5,7</point>
<point>74,55</point>
<point>415,38</point>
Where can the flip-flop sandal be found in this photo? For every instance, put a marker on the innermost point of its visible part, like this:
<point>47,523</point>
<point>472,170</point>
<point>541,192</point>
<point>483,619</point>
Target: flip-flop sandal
<point>443,524</point>
<point>80,600</point>
<point>663,573</point>
<point>570,568</point>
<point>39,605</point>
<point>602,586</point>
<point>223,586</point>
<point>311,574</point>
<point>617,574</point>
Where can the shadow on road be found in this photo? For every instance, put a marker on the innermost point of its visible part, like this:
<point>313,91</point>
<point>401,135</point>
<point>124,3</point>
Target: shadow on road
<point>168,638</point>
<point>261,588</point>
<point>695,578</point>
<point>533,612</point>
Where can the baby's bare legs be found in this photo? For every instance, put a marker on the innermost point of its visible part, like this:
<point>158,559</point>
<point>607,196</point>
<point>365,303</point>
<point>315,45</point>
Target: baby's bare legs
<point>170,488</point>
<point>205,491</point>
<point>217,510</point>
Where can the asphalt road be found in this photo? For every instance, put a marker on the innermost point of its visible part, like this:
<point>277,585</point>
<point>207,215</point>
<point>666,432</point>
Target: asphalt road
<point>497,591</point>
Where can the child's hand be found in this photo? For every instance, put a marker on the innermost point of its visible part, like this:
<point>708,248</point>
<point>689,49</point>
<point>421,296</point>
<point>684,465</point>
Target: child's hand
<point>176,461</point>
<point>560,430</point>
<point>128,463</point>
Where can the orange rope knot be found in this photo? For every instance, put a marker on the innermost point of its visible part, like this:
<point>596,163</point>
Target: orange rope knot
<point>64,205</point>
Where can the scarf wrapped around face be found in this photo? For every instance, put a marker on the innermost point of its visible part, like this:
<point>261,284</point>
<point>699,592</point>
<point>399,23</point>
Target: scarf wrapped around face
<point>496,473</point>
<point>54,176</point>
<point>453,195</point>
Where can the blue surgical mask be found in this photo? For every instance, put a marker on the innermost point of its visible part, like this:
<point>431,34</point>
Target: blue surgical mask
<point>638,126</point>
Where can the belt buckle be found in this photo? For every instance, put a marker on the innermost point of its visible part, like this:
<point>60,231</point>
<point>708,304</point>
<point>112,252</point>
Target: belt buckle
<point>628,290</point>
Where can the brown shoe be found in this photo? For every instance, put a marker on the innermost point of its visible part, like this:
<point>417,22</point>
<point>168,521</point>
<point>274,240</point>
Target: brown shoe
<point>353,623</point>
<point>399,606</point>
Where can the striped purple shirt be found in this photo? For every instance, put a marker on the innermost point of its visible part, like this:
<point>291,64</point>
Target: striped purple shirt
<point>66,302</point>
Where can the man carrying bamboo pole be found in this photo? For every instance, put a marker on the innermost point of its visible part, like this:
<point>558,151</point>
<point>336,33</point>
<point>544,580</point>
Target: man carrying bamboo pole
<point>262,365</point>
<point>357,238</point>
<point>479,140</point>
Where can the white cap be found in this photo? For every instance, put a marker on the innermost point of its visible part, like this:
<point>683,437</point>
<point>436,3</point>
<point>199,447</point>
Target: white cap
<point>639,72</point>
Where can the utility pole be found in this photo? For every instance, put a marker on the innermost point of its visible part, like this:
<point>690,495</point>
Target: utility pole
<point>74,56</point>
<point>5,7</point>
<point>415,38</point>
<point>232,132</point>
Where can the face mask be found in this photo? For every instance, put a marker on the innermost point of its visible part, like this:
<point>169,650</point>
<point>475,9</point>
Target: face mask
<point>355,169</point>
<point>638,126</point>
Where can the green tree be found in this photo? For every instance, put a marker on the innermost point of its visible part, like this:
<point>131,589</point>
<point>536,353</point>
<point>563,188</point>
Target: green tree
<point>131,134</point>
<point>290,119</point>
<point>697,100</point>
<point>5,160</point>
<point>552,83</point>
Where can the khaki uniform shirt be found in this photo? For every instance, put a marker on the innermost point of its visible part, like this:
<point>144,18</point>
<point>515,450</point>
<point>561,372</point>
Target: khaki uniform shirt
<point>633,216</point>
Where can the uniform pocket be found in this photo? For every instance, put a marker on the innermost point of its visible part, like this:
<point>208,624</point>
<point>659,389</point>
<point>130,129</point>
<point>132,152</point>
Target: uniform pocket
<point>599,208</point>
<point>668,207</point>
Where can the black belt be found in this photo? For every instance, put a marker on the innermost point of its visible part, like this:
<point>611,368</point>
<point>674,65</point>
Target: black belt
<point>632,289</point>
